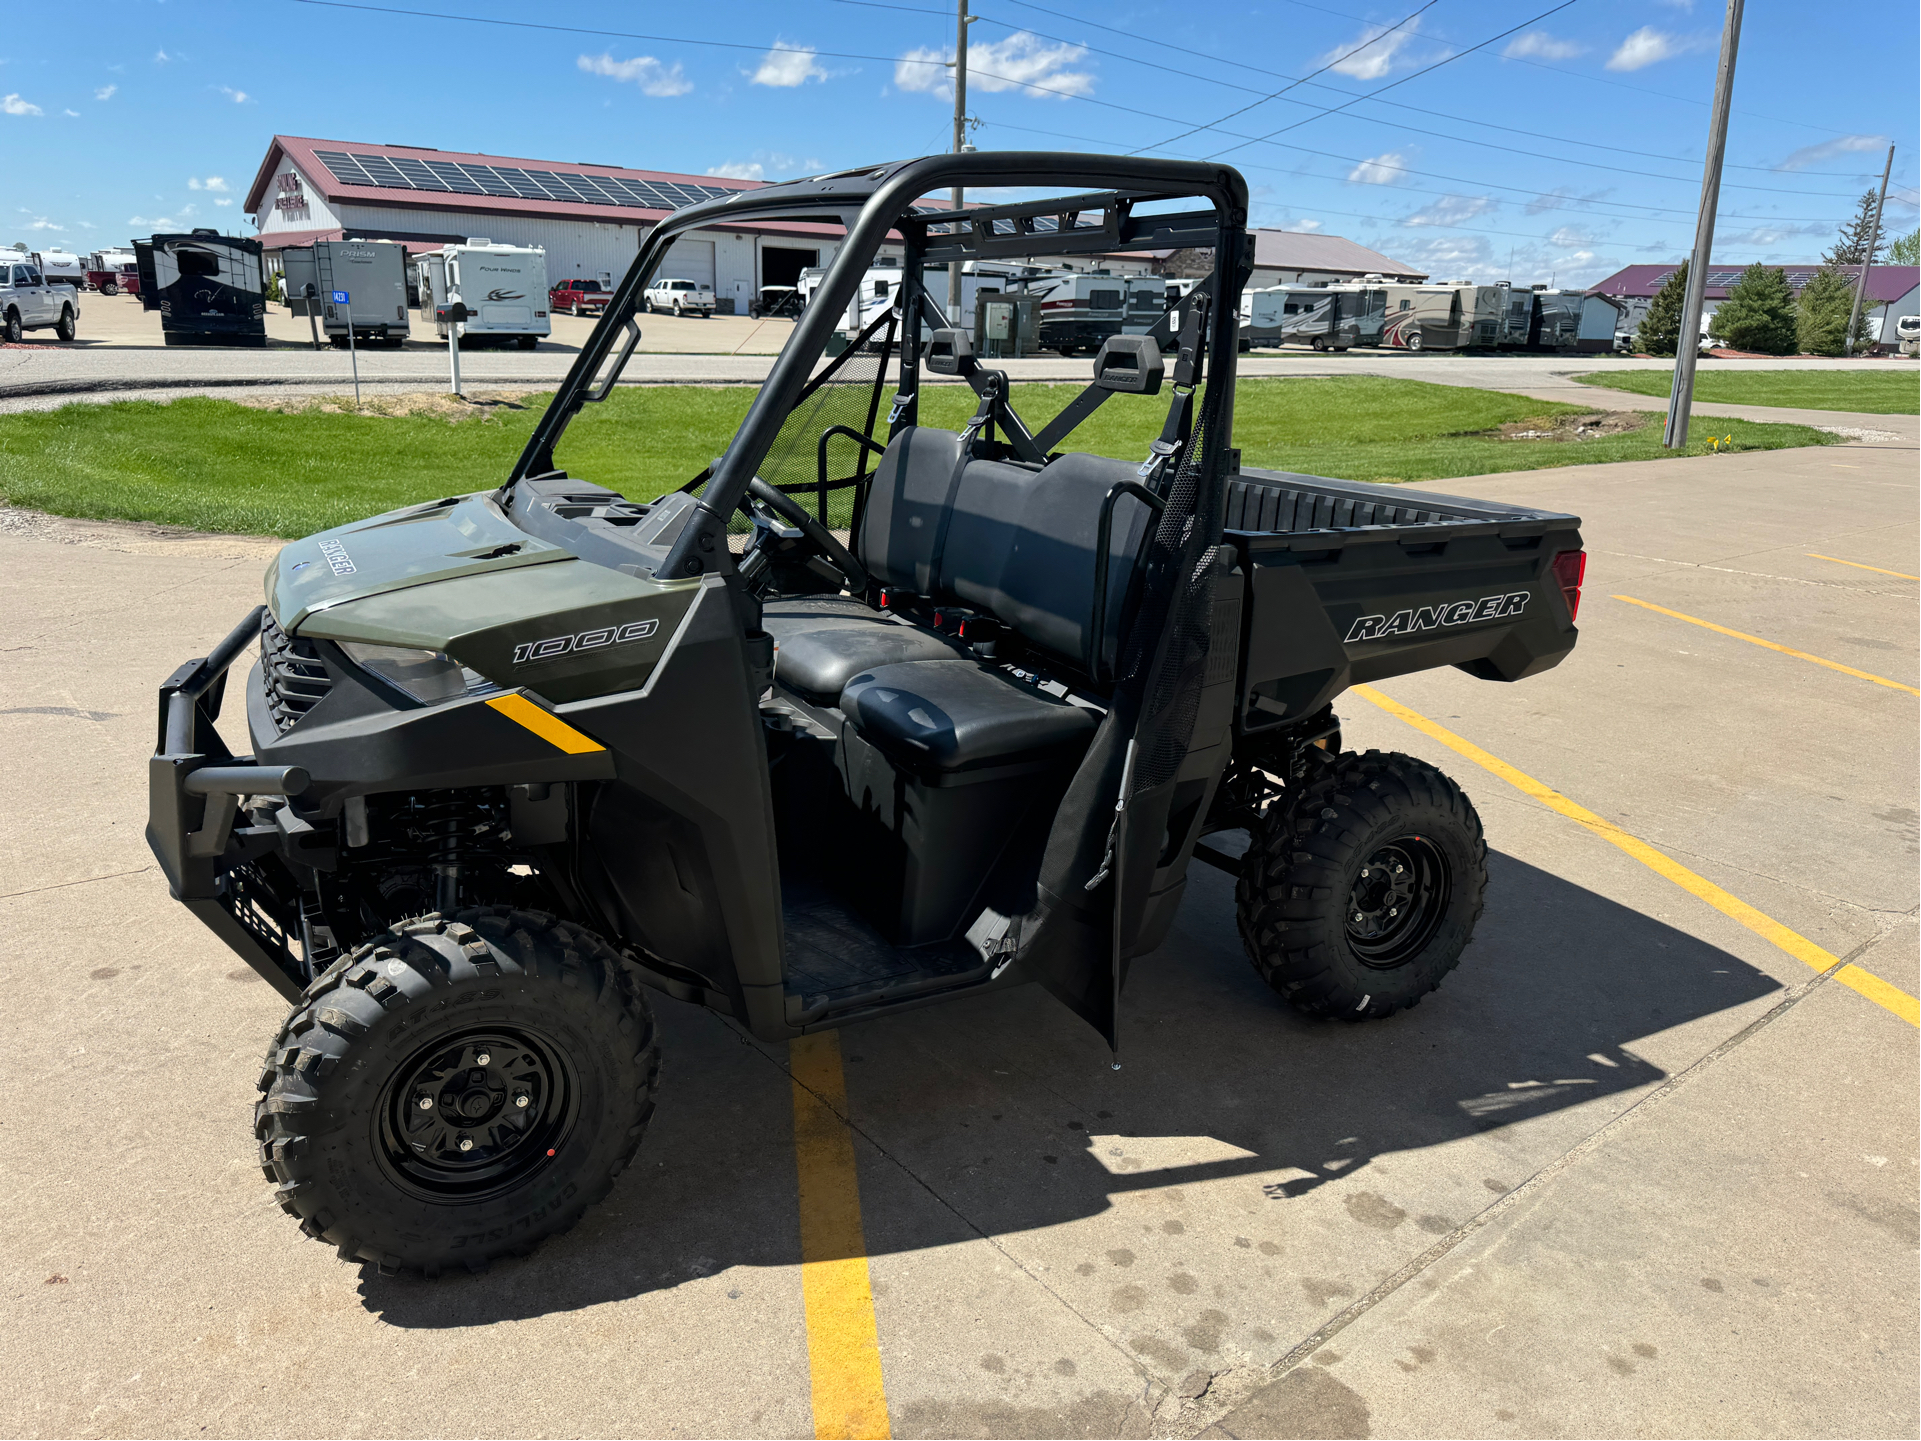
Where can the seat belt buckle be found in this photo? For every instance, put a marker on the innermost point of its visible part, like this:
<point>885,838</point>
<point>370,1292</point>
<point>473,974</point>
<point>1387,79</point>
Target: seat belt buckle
<point>902,399</point>
<point>1158,455</point>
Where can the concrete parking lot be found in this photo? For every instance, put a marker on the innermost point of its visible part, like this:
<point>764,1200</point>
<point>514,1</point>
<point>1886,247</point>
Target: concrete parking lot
<point>1645,1165</point>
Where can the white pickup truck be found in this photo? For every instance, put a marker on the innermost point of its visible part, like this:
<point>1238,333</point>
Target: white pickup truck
<point>29,302</point>
<point>682,297</point>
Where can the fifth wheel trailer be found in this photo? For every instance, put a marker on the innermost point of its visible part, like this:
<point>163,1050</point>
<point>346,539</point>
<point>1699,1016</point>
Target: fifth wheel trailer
<point>373,273</point>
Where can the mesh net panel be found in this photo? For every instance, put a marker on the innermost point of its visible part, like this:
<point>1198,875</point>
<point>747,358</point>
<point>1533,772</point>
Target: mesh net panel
<point>1169,677</point>
<point>847,393</point>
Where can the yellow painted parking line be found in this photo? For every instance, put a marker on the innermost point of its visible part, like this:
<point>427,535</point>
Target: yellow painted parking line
<point>1889,998</point>
<point>843,1342</point>
<point>545,724</point>
<point>1858,566</point>
<point>1771,645</point>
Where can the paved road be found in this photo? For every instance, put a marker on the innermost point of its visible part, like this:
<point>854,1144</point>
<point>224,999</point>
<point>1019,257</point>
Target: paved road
<point>1636,1169</point>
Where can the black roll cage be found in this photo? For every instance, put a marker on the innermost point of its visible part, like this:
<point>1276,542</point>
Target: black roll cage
<point>872,204</point>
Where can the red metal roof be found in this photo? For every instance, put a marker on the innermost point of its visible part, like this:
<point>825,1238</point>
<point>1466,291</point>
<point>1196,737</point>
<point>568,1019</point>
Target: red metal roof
<point>300,150</point>
<point>1885,282</point>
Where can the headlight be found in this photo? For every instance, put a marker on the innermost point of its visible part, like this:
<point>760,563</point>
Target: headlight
<point>429,676</point>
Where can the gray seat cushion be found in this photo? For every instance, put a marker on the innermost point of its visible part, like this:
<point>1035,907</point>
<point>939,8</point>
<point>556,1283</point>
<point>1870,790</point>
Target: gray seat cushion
<point>824,643</point>
<point>956,715</point>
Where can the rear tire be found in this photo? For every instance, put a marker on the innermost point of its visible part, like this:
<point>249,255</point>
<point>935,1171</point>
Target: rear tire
<point>527,342</point>
<point>469,1016</point>
<point>1360,891</point>
<point>1414,341</point>
<point>109,289</point>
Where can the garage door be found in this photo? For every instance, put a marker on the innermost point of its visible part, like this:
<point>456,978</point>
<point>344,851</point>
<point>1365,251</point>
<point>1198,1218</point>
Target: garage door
<point>690,260</point>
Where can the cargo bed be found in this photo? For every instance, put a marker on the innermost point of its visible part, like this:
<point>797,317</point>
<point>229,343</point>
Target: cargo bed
<point>1348,582</point>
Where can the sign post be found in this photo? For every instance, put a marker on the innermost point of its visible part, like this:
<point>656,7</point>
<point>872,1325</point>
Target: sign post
<point>451,315</point>
<point>343,299</point>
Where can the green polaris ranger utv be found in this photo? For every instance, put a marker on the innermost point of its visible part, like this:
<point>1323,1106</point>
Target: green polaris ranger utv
<point>864,716</point>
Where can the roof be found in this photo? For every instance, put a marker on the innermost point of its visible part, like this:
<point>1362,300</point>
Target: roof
<point>1885,282</point>
<point>412,175</point>
<point>1297,250</point>
<point>288,239</point>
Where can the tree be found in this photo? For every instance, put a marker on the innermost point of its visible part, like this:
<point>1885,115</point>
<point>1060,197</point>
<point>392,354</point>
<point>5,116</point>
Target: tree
<point>1821,316</point>
<point>1851,245</point>
<point>1758,314</point>
<point>1660,329</point>
<point>1906,250</point>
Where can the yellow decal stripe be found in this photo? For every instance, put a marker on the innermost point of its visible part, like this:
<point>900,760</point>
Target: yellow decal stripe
<point>843,1342</point>
<point>1888,997</point>
<point>1756,640</point>
<point>545,724</point>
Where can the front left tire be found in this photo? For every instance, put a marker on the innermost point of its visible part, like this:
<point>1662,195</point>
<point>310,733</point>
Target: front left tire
<point>458,1090</point>
<point>65,327</point>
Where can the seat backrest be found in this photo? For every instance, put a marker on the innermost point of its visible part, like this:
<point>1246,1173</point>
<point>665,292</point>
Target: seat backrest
<point>1018,545</point>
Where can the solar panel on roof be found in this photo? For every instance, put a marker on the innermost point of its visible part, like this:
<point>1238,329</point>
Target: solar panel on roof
<point>344,167</point>
<point>383,171</point>
<point>417,174</point>
<point>452,177</point>
<point>491,180</point>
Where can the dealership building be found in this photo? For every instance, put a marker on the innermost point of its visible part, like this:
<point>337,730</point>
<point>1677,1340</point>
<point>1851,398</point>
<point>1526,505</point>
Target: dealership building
<point>590,219</point>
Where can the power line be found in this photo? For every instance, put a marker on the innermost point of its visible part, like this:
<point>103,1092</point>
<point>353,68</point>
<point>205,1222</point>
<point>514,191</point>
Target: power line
<point>1405,79</point>
<point>1395,104</point>
<point>1010,80</point>
<point>1370,41</point>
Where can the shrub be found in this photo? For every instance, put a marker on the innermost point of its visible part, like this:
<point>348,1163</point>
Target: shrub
<point>1821,316</point>
<point>1758,314</point>
<point>1660,329</point>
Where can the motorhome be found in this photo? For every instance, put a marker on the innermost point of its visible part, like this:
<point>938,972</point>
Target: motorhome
<point>372,274</point>
<point>206,286</point>
<point>1146,303</point>
<point>1326,317</point>
<point>1078,308</point>
<point>504,288</point>
<point>1427,317</point>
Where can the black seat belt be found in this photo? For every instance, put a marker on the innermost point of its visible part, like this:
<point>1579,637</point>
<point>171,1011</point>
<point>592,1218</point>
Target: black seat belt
<point>1164,454</point>
<point>990,392</point>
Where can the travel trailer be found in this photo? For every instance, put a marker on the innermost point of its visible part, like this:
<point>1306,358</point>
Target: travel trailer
<point>373,273</point>
<point>504,288</point>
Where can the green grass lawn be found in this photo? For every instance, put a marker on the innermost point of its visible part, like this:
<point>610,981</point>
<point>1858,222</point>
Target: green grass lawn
<point>217,465</point>
<point>1876,392</point>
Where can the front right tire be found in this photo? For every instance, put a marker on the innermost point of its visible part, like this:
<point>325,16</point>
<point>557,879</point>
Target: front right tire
<point>458,1090</point>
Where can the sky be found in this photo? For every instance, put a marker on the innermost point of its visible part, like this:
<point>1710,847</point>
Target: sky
<point>1536,141</point>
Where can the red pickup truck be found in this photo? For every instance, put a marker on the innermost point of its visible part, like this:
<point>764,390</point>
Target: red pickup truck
<point>578,297</point>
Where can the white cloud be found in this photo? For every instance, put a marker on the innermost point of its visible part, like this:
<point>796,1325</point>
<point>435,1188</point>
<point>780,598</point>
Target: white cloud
<point>739,170</point>
<point>212,182</point>
<point>161,57</point>
<point>1645,47</point>
<point>1828,149</point>
<point>106,92</point>
<point>1450,210</point>
<point>40,222</point>
<point>653,78</point>
<point>1569,238</point>
<point>1539,45</point>
<point>74,113</point>
<point>1766,237</point>
<point>14,105</point>
<point>762,162</point>
<point>223,202</point>
<point>239,97</point>
<point>1388,168</point>
<point>1562,198</point>
<point>1451,257</point>
<point>1374,52</point>
<point>785,68</point>
<point>1020,62</point>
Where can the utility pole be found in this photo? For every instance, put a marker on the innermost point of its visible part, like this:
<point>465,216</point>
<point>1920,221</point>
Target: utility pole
<point>1681,397</point>
<point>1874,239</point>
<point>962,21</point>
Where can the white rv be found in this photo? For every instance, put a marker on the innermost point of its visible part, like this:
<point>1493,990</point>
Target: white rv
<point>504,288</point>
<point>1078,308</point>
<point>61,267</point>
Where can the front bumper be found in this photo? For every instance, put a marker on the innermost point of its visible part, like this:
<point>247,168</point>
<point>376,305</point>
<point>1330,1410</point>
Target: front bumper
<point>194,786</point>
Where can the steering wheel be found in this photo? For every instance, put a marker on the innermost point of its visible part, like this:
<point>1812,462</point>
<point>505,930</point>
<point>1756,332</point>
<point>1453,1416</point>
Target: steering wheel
<point>818,536</point>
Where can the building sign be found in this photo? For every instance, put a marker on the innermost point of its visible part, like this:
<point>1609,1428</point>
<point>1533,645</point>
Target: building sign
<point>292,200</point>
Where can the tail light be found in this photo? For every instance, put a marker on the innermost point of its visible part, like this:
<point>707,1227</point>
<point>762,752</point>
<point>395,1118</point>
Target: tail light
<point>1570,566</point>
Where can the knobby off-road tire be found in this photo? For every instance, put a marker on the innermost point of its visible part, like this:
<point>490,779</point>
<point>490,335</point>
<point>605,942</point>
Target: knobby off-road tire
<point>430,1037</point>
<point>1360,890</point>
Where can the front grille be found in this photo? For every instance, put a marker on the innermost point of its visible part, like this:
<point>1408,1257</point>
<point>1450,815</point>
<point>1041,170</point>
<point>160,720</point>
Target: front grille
<point>295,680</point>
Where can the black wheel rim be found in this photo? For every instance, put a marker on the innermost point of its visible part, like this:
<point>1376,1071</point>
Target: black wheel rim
<point>476,1114</point>
<point>1397,901</point>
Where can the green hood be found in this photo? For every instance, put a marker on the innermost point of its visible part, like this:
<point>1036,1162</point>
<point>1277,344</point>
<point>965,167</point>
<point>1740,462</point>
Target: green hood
<point>463,535</point>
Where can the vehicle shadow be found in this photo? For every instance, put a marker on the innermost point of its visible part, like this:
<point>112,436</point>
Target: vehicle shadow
<point>993,1105</point>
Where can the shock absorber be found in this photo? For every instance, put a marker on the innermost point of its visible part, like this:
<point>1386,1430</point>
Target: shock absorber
<point>444,819</point>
